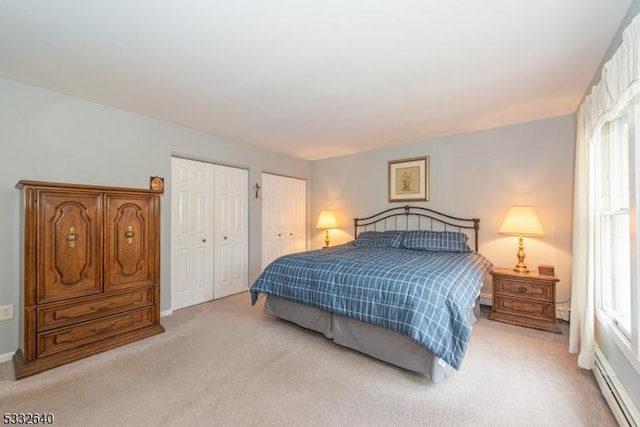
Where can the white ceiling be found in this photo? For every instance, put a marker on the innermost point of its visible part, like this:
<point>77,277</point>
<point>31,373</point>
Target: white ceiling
<point>315,78</point>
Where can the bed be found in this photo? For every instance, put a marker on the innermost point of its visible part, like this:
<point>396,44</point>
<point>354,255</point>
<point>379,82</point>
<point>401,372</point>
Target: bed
<point>404,291</point>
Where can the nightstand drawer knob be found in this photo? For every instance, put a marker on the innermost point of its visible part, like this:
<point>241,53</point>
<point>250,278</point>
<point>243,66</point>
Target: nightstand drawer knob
<point>522,289</point>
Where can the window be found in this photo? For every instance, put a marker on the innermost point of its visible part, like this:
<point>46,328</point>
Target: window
<point>615,196</point>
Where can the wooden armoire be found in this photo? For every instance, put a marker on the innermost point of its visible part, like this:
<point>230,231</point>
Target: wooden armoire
<point>91,271</point>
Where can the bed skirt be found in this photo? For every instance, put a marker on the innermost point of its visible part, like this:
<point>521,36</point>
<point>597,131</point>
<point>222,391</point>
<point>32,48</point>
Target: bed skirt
<point>375,341</point>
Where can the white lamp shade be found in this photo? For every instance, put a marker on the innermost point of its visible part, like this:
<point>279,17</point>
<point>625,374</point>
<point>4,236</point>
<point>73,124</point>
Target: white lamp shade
<point>521,221</point>
<point>327,220</point>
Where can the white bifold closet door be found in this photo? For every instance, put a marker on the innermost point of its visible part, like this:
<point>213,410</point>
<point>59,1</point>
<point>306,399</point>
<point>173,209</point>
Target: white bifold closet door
<point>284,214</point>
<point>230,231</point>
<point>209,239</point>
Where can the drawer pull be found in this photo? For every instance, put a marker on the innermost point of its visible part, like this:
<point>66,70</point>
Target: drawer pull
<point>103,330</point>
<point>103,307</point>
<point>522,289</point>
<point>59,339</point>
<point>71,313</point>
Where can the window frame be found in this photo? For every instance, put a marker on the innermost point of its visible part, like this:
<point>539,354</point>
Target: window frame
<point>628,340</point>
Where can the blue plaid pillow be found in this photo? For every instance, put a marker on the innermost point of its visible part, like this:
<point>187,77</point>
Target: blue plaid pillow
<point>391,239</point>
<point>436,241</point>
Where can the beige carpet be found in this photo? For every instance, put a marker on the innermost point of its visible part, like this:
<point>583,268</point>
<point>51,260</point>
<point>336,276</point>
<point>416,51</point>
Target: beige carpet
<point>225,363</point>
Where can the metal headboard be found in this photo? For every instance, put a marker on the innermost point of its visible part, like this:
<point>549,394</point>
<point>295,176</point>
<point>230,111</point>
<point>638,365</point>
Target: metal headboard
<point>416,218</point>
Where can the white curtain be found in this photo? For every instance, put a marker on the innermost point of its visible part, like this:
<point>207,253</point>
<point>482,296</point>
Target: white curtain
<point>619,83</point>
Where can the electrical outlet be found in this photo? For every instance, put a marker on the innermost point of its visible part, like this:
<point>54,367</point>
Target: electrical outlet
<point>6,312</point>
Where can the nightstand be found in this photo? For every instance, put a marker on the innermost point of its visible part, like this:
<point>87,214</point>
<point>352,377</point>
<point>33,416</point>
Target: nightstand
<point>524,299</point>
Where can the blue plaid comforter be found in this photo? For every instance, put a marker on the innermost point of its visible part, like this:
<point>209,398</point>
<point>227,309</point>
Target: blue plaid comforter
<point>424,295</point>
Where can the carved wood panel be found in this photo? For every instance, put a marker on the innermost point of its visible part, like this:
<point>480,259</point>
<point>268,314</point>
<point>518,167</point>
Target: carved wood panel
<point>129,242</point>
<point>70,246</point>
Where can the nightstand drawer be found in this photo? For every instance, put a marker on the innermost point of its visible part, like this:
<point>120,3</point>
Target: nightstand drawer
<point>524,307</point>
<point>518,288</point>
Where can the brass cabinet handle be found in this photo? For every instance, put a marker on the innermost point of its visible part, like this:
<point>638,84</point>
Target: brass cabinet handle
<point>129,234</point>
<point>72,237</point>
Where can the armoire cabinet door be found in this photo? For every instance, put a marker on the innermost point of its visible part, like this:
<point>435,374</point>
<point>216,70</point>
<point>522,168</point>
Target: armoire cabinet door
<point>69,245</point>
<point>129,241</point>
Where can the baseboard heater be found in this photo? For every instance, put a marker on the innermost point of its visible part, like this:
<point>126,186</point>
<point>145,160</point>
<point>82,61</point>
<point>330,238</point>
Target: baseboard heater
<point>621,405</point>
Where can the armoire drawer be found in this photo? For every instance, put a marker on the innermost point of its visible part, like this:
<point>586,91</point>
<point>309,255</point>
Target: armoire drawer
<point>65,338</point>
<point>64,315</point>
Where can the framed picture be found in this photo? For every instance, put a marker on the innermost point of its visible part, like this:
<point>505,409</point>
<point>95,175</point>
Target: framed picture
<point>409,179</point>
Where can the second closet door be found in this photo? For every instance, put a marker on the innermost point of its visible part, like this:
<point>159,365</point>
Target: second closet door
<point>283,216</point>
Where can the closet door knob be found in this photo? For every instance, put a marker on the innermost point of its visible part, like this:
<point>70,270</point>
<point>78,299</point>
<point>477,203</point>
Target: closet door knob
<point>204,240</point>
<point>225,237</point>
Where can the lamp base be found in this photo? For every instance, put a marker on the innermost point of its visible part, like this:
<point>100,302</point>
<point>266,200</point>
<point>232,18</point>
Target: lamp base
<point>521,267</point>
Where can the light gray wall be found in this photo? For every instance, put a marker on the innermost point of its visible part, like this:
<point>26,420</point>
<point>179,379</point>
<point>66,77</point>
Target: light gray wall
<point>52,137</point>
<point>478,174</point>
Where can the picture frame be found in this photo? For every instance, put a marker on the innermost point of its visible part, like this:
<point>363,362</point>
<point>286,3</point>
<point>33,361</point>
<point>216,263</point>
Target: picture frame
<point>546,270</point>
<point>409,179</point>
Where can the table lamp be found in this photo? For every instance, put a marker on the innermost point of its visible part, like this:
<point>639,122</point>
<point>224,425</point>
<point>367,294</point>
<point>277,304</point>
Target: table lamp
<point>521,221</point>
<point>326,221</point>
